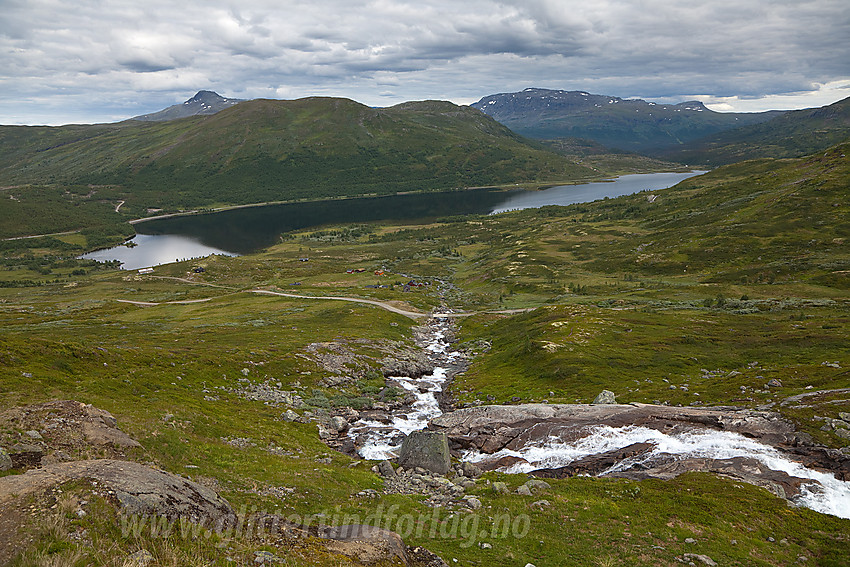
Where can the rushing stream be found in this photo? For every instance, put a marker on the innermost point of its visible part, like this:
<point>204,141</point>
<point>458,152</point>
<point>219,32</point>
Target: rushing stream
<point>826,494</point>
<point>381,440</point>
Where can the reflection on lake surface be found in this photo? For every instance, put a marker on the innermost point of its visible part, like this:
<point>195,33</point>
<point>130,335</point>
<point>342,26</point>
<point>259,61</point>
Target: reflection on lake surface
<point>244,230</point>
<point>585,193</point>
<point>155,250</point>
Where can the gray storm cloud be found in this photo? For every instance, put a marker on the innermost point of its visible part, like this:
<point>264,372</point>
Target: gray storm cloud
<point>100,61</point>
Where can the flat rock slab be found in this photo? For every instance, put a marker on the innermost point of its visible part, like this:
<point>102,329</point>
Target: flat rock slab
<point>469,420</point>
<point>139,489</point>
<point>489,429</point>
<point>367,544</point>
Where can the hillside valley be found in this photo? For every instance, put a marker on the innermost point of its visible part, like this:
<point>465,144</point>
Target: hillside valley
<point>726,292</point>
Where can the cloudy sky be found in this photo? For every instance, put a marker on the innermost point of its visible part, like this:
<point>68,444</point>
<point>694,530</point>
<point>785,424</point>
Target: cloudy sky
<point>85,61</point>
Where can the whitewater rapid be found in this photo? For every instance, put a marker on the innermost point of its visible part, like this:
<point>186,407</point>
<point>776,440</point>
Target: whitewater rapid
<point>381,441</point>
<point>825,494</point>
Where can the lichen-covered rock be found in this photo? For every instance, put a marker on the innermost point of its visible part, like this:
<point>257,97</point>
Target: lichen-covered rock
<point>605,397</point>
<point>5,460</point>
<point>426,449</point>
<point>139,489</point>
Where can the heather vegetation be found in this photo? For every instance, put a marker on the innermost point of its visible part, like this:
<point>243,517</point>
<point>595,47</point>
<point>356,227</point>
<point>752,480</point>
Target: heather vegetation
<point>700,294</point>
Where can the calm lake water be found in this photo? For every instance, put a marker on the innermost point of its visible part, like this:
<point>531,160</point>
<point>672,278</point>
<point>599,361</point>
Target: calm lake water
<point>240,231</point>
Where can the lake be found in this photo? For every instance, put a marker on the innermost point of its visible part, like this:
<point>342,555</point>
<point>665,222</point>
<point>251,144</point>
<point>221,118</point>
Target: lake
<point>244,230</point>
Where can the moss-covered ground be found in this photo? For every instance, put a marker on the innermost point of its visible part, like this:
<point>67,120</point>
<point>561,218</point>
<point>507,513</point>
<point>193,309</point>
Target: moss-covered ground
<point>720,285</point>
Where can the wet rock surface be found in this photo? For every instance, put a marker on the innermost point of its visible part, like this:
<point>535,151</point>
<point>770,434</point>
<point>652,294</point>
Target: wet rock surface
<point>490,429</point>
<point>380,431</point>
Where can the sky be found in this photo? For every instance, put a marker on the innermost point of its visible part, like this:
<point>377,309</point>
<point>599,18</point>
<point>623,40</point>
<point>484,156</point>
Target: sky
<point>93,61</point>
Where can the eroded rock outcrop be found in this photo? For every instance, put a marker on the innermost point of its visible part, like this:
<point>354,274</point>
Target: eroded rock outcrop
<point>59,431</point>
<point>139,489</point>
<point>490,429</point>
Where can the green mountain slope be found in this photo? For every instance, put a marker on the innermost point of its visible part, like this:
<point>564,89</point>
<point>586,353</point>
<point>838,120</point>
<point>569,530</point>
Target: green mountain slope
<point>793,134</point>
<point>626,124</point>
<point>266,150</point>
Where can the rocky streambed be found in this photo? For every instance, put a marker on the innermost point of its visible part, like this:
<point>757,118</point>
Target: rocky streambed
<point>650,441</point>
<point>620,440</point>
<point>378,434</point>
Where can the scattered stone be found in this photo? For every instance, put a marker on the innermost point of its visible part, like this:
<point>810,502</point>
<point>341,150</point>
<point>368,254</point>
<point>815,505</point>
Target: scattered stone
<point>500,487</point>
<point>339,424</point>
<point>262,557</point>
<point>139,559</point>
<point>771,539</point>
<point>802,559</point>
<point>690,540</point>
<point>540,504</point>
<point>485,545</point>
<point>845,416</point>
<point>774,383</point>
<point>537,485</point>
<point>386,470</point>
<point>471,470</point>
<point>33,434</point>
<point>5,460</point>
<point>605,397</point>
<point>290,415</point>
<point>426,449</point>
<point>705,559</point>
<point>473,502</point>
<point>524,490</point>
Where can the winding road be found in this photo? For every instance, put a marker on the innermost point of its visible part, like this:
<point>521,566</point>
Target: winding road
<point>415,315</point>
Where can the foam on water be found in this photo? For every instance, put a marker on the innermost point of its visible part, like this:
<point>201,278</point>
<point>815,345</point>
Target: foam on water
<point>825,494</point>
<point>378,443</point>
<point>381,440</point>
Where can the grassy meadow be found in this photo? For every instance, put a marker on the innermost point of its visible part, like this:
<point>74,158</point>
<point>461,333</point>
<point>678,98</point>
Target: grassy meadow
<point>719,284</point>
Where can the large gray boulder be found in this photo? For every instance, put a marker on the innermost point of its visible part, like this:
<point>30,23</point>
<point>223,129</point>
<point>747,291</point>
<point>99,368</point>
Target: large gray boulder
<point>140,490</point>
<point>426,449</point>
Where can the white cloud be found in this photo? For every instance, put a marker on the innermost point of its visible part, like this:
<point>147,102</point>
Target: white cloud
<point>90,60</point>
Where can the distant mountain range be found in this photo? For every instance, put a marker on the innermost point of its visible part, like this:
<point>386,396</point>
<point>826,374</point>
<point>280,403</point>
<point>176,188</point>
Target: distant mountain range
<point>204,103</point>
<point>626,124</point>
<point>793,134</point>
